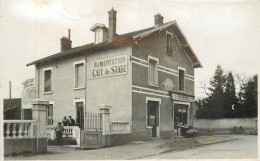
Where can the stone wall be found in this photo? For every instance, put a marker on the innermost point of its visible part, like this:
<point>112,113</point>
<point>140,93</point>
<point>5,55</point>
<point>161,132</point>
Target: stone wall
<point>226,125</point>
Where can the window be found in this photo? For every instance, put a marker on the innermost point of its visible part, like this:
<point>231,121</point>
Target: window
<point>153,72</point>
<point>47,80</point>
<point>79,74</point>
<point>99,36</point>
<point>50,114</point>
<point>181,79</point>
<point>169,37</point>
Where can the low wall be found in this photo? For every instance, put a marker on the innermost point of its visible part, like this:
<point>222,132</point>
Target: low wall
<point>22,145</point>
<point>226,125</point>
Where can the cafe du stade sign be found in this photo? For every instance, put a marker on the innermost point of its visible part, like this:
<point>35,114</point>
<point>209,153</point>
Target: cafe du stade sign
<point>109,67</point>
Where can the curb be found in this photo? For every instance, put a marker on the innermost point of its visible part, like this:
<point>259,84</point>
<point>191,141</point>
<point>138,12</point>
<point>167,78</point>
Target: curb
<point>202,144</point>
<point>221,141</point>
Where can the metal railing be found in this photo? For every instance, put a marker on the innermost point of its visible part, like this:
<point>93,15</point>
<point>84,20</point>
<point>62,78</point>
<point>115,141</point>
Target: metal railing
<point>93,121</point>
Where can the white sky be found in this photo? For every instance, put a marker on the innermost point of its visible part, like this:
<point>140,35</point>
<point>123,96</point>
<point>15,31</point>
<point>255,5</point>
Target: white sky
<point>225,32</point>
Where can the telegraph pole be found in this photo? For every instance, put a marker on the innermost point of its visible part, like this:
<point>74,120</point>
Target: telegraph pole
<point>10,89</point>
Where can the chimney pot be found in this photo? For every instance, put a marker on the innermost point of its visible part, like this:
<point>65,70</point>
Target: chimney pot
<point>158,19</point>
<point>65,42</point>
<point>111,24</point>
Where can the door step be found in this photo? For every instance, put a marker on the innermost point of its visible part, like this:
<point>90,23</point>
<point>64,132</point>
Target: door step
<point>158,138</point>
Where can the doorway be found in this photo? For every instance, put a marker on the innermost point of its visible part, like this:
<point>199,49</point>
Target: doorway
<point>80,115</point>
<point>180,114</point>
<point>153,116</point>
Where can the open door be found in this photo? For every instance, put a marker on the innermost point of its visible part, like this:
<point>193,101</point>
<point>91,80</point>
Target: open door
<point>80,115</point>
<point>153,116</point>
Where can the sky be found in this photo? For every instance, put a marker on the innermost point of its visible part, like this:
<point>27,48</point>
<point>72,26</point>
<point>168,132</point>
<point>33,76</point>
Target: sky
<point>220,32</point>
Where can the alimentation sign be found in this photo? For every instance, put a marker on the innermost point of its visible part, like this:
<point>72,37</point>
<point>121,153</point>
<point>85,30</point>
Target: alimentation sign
<point>109,67</point>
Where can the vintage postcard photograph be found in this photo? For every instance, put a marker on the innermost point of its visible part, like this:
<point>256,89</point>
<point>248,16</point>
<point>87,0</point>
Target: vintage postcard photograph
<point>129,80</point>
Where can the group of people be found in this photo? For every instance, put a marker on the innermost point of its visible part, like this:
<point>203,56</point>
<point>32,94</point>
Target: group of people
<point>59,128</point>
<point>69,122</point>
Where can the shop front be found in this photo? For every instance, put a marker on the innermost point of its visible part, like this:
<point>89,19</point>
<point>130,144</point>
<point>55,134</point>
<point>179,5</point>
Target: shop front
<point>182,113</point>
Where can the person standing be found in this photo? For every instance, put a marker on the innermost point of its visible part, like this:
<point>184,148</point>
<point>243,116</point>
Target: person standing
<point>71,121</point>
<point>59,128</point>
<point>65,121</point>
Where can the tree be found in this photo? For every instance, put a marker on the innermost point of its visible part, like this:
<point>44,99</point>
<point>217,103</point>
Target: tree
<point>249,98</point>
<point>218,81</point>
<point>230,98</point>
<point>213,105</point>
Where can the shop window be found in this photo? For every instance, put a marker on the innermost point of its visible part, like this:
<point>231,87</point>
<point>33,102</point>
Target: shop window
<point>181,79</point>
<point>50,115</point>
<point>153,72</point>
<point>180,115</point>
<point>47,80</point>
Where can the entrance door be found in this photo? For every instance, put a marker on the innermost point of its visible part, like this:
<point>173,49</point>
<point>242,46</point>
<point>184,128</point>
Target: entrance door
<point>180,114</point>
<point>153,116</point>
<point>80,115</point>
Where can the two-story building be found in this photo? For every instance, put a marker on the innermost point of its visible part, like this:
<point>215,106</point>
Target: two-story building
<point>147,76</point>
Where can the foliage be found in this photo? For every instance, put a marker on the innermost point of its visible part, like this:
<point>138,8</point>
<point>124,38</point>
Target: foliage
<point>65,141</point>
<point>249,98</point>
<point>224,102</point>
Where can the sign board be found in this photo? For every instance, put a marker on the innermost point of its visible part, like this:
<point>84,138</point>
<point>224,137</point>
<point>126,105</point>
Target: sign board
<point>181,97</point>
<point>109,67</point>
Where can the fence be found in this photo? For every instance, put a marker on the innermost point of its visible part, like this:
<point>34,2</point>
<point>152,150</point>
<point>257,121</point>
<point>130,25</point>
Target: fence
<point>69,131</point>
<point>14,129</point>
<point>93,121</point>
<point>27,135</point>
<point>120,127</point>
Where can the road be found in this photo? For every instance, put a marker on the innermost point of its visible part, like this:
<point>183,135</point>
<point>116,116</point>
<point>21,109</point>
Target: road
<point>243,148</point>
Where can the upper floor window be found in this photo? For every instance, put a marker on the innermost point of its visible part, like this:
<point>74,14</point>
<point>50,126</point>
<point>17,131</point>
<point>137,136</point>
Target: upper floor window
<point>79,74</point>
<point>169,42</point>
<point>181,79</point>
<point>47,79</point>
<point>99,36</point>
<point>153,71</point>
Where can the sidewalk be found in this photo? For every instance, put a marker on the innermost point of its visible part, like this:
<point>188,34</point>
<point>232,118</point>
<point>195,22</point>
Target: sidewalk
<point>133,150</point>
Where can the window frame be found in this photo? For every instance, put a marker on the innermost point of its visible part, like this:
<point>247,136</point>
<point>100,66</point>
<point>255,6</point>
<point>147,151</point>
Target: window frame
<point>156,77</point>
<point>47,114</point>
<point>184,72</point>
<point>51,87</point>
<point>99,36</point>
<point>169,46</point>
<point>75,74</point>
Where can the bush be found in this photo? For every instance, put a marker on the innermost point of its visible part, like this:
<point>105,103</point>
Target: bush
<point>65,141</point>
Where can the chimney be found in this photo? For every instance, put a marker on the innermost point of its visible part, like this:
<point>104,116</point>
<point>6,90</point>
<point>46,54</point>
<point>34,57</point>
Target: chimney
<point>65,42</point>
<point>111,24</point>
<point>158,19</point>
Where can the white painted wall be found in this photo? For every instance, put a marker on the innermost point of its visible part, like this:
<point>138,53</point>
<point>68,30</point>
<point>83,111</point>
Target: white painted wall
<point>115,91</point>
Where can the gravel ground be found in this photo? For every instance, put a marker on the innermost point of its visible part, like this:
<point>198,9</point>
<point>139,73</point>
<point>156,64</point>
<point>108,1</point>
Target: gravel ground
<point>179,144</point>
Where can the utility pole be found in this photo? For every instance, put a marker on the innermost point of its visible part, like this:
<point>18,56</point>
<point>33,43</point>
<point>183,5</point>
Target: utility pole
<point>10,89</point>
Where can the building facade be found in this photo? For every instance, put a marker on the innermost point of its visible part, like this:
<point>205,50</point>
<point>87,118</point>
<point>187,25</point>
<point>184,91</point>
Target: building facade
<point>147,76</point>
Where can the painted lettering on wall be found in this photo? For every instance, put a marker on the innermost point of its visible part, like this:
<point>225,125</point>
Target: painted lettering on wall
<point>109,67</point>
<point>181,97</point>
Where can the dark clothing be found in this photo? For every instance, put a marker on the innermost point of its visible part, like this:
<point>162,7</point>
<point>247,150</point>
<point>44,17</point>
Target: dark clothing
<point>58,131</point>
<point>71,122</point>
<point>59,137</point>
<point>65,122</point>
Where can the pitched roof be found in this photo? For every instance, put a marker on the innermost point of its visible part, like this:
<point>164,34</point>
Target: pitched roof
<point>128,39</point>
